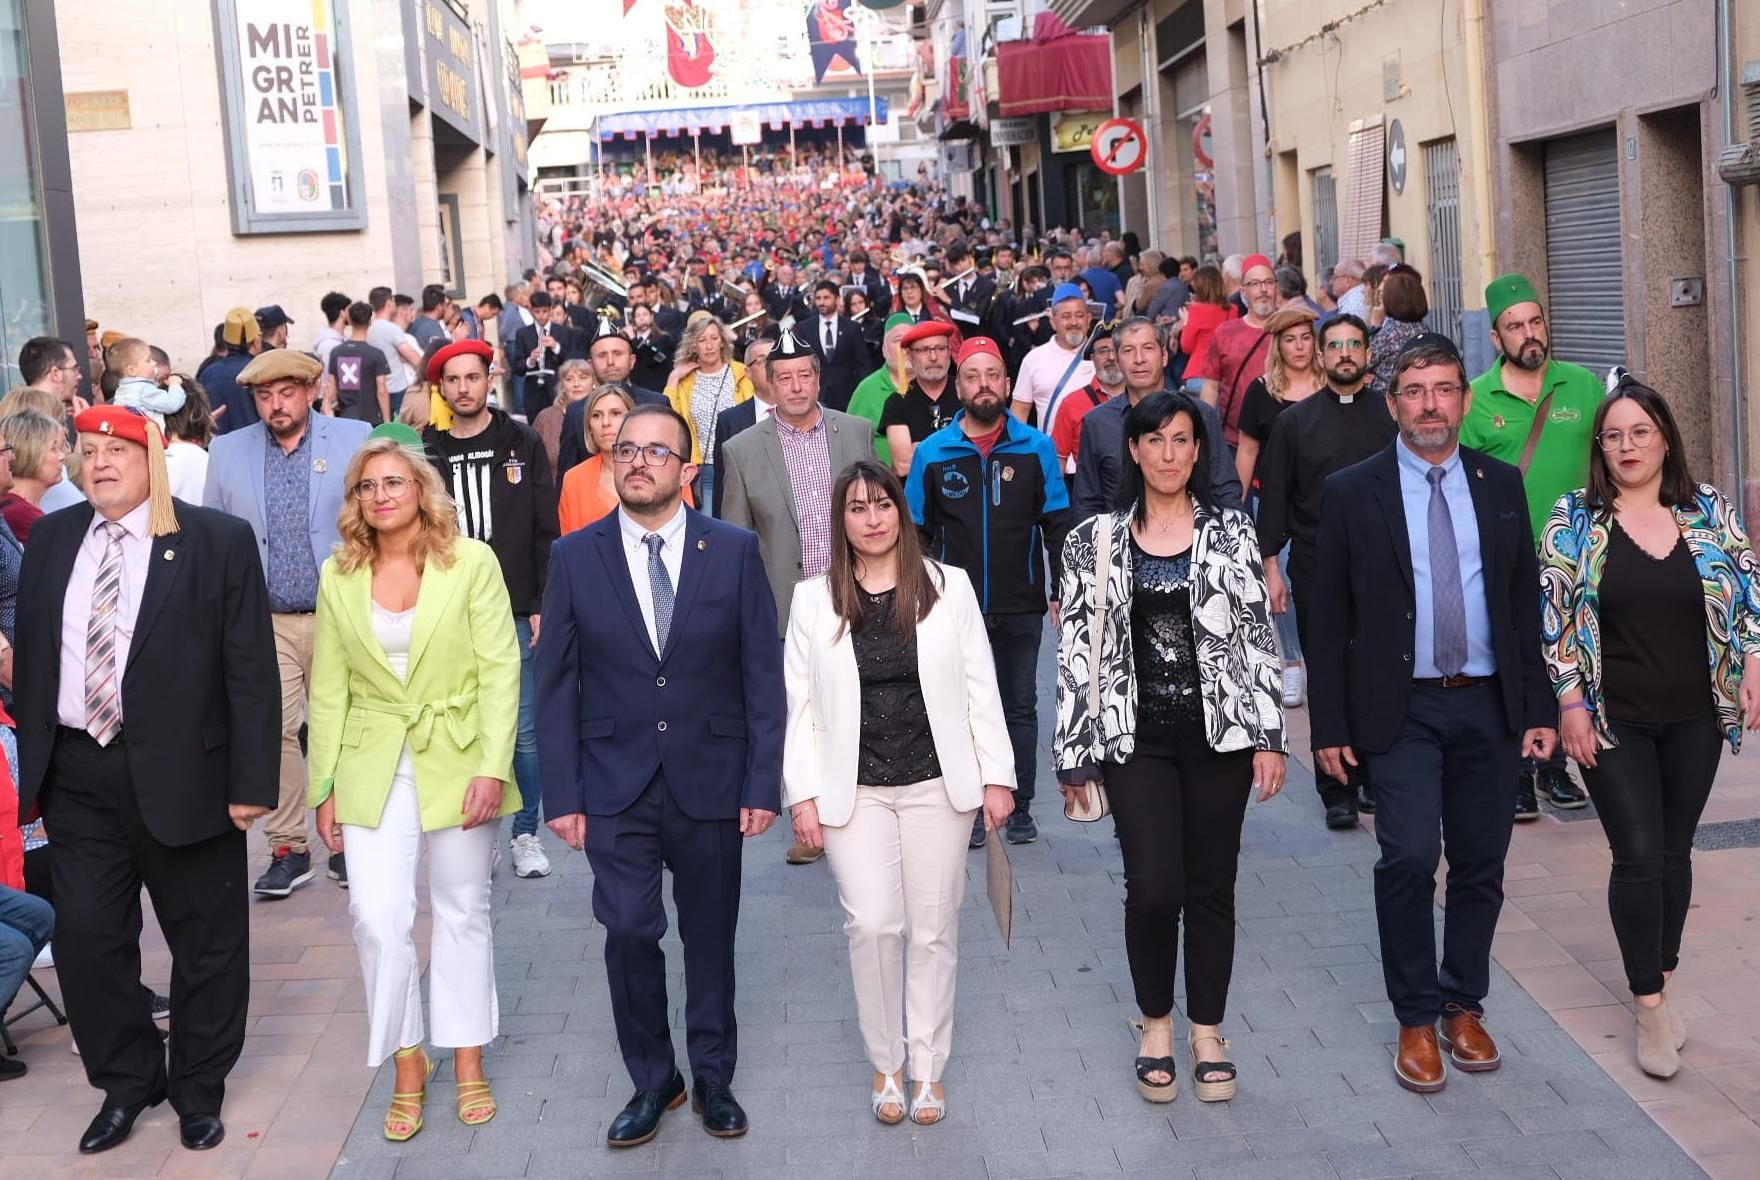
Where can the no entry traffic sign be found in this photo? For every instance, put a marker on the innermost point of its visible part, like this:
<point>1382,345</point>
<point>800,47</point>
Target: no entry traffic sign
<point>1119,147</point>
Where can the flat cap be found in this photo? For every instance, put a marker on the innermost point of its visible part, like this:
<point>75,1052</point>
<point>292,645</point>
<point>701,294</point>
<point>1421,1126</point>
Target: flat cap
<point>279,364</point>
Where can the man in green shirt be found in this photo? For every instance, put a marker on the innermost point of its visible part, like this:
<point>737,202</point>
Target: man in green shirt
<point>1526,382</point>
<point>889,380</point>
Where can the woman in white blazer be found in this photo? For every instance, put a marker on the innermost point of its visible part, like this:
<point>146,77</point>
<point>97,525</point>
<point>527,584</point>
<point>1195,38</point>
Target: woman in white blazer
<point>895,738</point>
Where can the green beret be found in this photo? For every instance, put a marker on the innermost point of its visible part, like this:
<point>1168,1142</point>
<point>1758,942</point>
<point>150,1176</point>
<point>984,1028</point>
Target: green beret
<point>898,319</point>
<point>1505,291</point>
<point>400,433</point>
<point>279,364</point>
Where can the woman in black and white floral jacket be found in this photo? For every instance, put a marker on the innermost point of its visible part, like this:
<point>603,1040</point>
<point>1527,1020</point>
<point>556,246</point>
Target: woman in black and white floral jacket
<point>1176,705</point>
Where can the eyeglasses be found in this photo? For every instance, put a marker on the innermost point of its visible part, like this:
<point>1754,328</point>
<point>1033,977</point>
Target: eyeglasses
<point>1260,284</point>
<point>394,487</point>
<point>1442,393</point>
<point>1345,346</point>
<point>653,455</point>
<point>1610,440</point>
<point>8,451</point>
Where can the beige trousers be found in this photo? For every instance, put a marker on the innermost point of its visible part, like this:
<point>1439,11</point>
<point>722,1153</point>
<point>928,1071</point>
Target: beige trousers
<point>286,825</point>
<point>900,867</point>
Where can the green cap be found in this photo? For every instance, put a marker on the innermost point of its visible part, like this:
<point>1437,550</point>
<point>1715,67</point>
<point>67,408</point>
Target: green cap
<point>1505,291</point>
<point>400,433</point>
<point>898,319</point>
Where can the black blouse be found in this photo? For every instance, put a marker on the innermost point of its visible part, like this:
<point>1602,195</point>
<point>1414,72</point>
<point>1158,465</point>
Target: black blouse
<point>1161,642</point>
<point>896,747</point>
<point>1654,666</point>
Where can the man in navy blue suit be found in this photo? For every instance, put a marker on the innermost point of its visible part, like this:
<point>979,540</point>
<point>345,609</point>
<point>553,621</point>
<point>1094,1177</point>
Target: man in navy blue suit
<point>663,753</point>
<point>1426,668</point>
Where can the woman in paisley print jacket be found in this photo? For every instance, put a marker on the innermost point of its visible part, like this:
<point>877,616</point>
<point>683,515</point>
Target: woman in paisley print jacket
<point>1174,700</point>
<point>1651,623</point>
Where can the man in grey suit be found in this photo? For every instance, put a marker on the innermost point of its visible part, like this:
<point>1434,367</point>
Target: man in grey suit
<point>284,475</point>
<point>777,481</point>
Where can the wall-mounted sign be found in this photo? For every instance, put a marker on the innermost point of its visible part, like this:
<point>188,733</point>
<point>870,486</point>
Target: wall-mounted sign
<point>516,112</point>
<point>452,69</point>
<point>746,128</point>
<point>287,101</point>
<point>1073,131</point>
<point>1016,132</point>
<point>1396,157</point>
<point>1119,147</point>
<point>98,110</point>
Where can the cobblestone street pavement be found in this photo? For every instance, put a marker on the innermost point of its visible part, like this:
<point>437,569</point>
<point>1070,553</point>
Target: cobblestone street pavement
<point>1041,1081</point>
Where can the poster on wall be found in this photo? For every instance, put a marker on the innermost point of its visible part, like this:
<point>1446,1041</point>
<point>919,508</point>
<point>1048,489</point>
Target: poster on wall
<point>291,141</point>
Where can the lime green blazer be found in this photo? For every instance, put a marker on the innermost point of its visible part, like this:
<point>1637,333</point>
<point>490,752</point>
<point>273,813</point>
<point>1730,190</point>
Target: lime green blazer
<point>458,712</point>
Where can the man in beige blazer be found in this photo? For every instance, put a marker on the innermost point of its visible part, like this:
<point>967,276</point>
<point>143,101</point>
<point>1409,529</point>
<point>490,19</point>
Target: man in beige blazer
<point>776,479</point>
<point>779,473</point>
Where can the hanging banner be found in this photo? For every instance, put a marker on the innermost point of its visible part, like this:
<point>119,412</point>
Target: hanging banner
<point>690,45</point>
<point>290,131</point>
<point>831,38</point>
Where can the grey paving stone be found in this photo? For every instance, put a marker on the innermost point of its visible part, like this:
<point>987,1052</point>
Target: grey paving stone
<point>1040,1081</point>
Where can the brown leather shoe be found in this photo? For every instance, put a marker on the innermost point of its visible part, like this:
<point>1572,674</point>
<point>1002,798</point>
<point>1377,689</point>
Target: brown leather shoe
<point>1418,1064</point>
<point>801,853</point>
<point>1469,1046</point>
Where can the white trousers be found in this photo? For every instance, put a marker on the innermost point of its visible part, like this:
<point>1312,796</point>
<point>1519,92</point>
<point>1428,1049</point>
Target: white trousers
<point>382,898</point>
<point>900,867</point>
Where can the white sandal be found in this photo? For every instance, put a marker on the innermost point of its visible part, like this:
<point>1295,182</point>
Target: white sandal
<point>889,1095</point>
<point>925,1101</point>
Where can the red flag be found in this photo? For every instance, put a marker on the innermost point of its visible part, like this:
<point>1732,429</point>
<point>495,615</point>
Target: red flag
<point>627,5</point>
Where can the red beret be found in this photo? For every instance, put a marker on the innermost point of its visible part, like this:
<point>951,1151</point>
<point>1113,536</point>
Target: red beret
<point>977,346</point>
<point>113,420</point>
<point>437,362</point>
<point>927,330</point>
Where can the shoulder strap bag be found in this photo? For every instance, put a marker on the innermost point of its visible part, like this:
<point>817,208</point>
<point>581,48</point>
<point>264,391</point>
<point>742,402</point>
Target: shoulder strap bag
<point>1234,387</point>
<point>1528,447</point>
<point>1098,807</point>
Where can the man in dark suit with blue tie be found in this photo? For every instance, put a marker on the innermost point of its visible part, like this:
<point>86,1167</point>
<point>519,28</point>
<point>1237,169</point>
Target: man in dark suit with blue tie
<point>661,714</point>
<point>1426,665</point>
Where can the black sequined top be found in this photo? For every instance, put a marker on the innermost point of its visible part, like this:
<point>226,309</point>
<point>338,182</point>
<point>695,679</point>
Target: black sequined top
<point>1161,640</point>
<point>896,747</point>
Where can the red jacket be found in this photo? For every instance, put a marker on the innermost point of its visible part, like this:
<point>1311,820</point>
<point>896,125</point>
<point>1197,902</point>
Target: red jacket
<point>11,838</point>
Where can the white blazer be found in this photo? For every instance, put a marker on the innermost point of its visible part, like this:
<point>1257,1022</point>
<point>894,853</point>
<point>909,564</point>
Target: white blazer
<point>958,677</point>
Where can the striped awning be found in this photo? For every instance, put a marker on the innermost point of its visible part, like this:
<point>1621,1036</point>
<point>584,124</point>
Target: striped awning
<point>776,116</point>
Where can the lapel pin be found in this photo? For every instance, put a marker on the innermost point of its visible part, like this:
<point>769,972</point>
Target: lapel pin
<point>1479,472</point>
<point>169,554</point>
<point>702,546</point>
<point>320,466</point>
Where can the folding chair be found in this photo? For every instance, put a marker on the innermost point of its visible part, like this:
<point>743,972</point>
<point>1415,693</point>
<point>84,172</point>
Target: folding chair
<point>16,1015</point>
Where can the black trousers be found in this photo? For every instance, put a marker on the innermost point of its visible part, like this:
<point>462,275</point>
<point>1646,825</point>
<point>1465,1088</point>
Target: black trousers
<point>1650,791</point>
<point>1178,806</point>
<point>627,852</point>
<point>1014,646</point>
<point>101,855</point>
<point>1445,779</point>
<point>1300,577</point>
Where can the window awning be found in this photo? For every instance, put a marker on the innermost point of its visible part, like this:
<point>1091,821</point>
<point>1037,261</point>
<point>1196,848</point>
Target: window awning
<point>776,116</point>
<point>1058,70</point>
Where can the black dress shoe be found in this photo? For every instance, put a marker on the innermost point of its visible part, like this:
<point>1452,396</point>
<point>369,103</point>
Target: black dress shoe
<point>1341,816</point>
<point>1526,806</point>
<point>637,1122</point>
<point>199,1132</point>
<point>723,1117</point>
<point>1366,799</point>
<point>1560,791</point>
<point>112,1125</point>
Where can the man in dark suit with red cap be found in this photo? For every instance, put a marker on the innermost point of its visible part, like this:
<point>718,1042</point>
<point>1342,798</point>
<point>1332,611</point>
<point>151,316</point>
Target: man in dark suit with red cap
<point>148,738</point>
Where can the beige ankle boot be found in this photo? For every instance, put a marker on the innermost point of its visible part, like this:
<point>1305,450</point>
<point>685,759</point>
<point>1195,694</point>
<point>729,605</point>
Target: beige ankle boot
<point>1657,1055</point>
<point>1677,1028</point>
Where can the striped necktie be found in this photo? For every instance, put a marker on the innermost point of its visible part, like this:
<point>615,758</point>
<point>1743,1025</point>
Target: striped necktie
<point>660,583</point>
<point>103,685</point>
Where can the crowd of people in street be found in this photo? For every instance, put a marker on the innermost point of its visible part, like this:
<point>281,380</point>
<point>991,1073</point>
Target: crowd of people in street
<point>761,496</point>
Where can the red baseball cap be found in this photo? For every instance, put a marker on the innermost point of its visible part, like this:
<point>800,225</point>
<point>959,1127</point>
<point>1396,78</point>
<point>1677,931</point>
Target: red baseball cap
<point>977,346</point>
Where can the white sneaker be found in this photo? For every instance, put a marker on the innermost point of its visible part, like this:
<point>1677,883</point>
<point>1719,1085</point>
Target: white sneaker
<point>1295,686</point>
<point>528,857</point>
<point>45,958</point>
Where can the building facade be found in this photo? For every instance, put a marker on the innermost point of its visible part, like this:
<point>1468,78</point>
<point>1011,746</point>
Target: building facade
<point>249,152</point>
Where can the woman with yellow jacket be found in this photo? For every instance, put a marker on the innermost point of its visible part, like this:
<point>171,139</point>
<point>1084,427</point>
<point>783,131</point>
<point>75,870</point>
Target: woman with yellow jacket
<point>705,381</point>
<point>413,707</point>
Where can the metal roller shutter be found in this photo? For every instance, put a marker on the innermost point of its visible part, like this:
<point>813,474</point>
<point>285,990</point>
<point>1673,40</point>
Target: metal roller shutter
<point>1442,193</point>
<point>1360,229</point>
<point>1325,191</point>
<point>1585,278</point>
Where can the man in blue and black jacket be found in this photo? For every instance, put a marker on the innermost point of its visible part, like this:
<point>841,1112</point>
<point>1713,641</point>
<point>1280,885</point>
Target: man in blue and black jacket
<point>987,496</point>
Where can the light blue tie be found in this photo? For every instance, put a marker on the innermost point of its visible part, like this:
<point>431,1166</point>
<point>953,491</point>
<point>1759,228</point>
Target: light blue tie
<point>661,585</point>
<point>1448,603</point>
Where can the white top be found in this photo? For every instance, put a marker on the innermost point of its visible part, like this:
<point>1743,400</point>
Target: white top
<point>636,553</point>
<point>1040,371</point>
<point>64,493</point>
<point>392,628</point>
<point>187,464</point>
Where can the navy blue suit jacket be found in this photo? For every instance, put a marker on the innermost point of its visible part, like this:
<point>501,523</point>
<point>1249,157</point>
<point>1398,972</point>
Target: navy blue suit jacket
<point>709,710</point>
<point>1361,610</point>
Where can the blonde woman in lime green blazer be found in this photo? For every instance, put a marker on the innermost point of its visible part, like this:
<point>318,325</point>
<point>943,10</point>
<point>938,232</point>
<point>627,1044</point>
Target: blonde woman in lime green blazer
<point>413,707</point>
